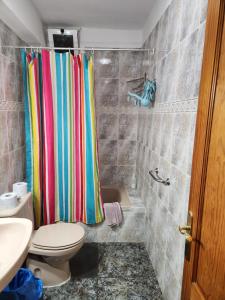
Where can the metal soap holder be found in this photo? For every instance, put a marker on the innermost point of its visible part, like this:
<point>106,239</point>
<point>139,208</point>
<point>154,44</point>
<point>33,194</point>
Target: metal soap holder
<point>155,175</point>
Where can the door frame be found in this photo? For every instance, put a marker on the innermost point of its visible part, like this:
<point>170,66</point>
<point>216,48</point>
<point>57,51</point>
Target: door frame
<point>209,74</point>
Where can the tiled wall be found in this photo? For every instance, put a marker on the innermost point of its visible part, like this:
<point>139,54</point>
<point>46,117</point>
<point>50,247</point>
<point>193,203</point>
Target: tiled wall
<point>12,150</point>
<point>166,134</point>
<point>116,117</point>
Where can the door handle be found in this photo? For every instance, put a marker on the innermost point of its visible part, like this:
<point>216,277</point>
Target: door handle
<point>186,230</point>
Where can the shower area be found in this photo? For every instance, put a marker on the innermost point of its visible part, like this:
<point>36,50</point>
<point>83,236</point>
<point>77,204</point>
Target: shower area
<point>117,126</point>
<point>132,142</point>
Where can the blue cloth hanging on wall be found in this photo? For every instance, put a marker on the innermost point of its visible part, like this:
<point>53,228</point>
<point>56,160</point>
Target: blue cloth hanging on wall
<point>148,94</point>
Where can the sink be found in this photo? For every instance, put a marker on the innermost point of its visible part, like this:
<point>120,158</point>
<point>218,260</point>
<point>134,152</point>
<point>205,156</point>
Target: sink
<point>15,235</point>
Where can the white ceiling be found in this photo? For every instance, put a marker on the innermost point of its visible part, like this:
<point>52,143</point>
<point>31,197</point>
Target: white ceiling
<point>113,14</point>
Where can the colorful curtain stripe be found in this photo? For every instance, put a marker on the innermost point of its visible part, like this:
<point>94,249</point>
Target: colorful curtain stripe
<point>33,130</point>
<point>48,141</point>
<point>61,145</point>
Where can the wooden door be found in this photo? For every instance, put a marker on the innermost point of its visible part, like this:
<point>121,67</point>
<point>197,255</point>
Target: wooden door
<point>204,273</point>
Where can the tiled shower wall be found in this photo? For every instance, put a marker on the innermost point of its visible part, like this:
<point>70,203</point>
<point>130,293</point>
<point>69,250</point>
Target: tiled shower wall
<point>12,150</point>
<point>166,134</point>
<point>116,117</point>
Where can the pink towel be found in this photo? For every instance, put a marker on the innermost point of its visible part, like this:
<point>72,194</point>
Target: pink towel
<point>113,214</point>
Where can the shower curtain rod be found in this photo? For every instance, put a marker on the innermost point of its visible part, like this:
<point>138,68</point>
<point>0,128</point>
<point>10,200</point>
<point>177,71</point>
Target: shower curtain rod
<point>84,48</point>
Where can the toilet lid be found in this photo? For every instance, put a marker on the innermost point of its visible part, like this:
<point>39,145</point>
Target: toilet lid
<point>57,236</point>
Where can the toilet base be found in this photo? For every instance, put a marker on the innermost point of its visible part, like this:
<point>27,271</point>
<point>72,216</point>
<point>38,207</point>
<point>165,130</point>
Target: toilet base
<point>51,276</point>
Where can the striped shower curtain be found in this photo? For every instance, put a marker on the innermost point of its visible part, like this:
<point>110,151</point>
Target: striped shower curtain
<point>61,146</point>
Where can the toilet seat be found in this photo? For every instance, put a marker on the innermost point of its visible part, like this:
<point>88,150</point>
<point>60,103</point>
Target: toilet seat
<point>59,236</point>
<point>56,248</point>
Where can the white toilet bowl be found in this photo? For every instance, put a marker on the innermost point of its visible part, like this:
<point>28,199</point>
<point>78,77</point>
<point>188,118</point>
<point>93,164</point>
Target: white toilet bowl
<point>52,247</point>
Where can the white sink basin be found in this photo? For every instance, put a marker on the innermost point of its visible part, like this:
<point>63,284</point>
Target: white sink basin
<point>15,235</point>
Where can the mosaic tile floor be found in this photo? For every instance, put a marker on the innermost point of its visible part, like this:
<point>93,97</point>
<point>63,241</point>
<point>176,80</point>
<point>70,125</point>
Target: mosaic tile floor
<point>109,271</point>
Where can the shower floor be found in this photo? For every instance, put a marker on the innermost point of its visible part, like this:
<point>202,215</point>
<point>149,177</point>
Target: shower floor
<point>109,271</point>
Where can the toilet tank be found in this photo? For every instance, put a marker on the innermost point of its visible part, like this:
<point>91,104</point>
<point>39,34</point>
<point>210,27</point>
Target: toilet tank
<point>24,209</point>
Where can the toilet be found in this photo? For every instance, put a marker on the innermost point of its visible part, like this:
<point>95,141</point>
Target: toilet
<point>51,246</point>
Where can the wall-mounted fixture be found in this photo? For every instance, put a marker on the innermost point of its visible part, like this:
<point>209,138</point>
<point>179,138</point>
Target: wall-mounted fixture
<point>64,38</point>
<point>142,94</point>
<point>155,175</point>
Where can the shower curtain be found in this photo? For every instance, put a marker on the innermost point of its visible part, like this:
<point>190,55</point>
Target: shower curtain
<point>61,146</point>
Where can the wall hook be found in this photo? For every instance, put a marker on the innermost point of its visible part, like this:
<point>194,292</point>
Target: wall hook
<point>155,175</point>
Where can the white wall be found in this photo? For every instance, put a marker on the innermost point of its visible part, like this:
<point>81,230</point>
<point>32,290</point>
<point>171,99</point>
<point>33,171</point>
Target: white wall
<point>155,14</point>
<point>98,37</point>
<point>22,17</point>
<point>111,38</point>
